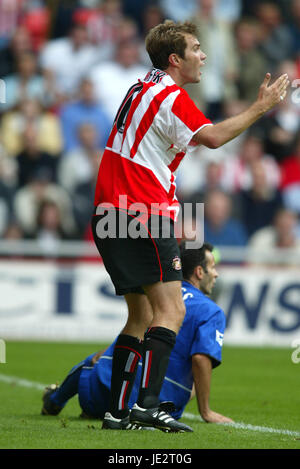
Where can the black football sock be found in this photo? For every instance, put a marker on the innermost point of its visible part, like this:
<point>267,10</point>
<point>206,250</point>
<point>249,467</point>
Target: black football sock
<point>127,352</point>
<point>158,345</point>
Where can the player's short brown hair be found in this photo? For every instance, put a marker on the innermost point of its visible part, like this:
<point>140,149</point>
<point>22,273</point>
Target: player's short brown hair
<point>168,38</point>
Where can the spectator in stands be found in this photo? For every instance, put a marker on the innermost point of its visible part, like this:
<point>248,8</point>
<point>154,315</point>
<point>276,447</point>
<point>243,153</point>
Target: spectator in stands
<point>217,41</point>
<point>252,65</point>
<point>195,181</point>
<point>7,192</point>
<point>281,126</point>
<point>152,16</point>
<point>259,203</point>
<point>103,24</point>
<point>280,235</point>
<point>136,9</point>
<point>213,177</point>
<point>86,110</point>
<point>8,179</point>
<point>66,61</point>
<point>10,12</point>
<point>219,226</point>
<point>275,37</point>
<point>61,17</point>
<point>13,232</point>
<point>113,79</point>
<point>18,45</point>
<point>76,166</point>
<point>191,177</point>
<point>229,10</point>
<point>225,10</point>
<point>37,21</point>
<point>232,108</point>
<point>49,227</point>
<point>8,168</point>
<point>236,174</point>
<point>102,21</point>
<point>249,8</point>
<point>31,113</point>
<point>128,31</point>
<point>290,179</point>
<point>83,197</point>
<point>27,83</point>
<point>294,27</point>
<point>28,199</point>
<point>32,158</point>
<point>177,10</point>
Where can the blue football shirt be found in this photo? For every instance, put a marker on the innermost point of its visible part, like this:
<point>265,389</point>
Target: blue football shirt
<point>201,332</point>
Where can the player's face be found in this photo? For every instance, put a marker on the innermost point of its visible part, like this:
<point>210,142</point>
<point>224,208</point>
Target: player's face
<point>209,278</point>
<point>193,60</point>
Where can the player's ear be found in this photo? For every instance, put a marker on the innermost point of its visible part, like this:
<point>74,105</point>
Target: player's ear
<point>174,60</point>
<point>199,272</point>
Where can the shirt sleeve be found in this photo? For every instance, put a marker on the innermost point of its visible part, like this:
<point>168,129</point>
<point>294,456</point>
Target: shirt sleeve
<point>186,120</point>
<point>208,339</point>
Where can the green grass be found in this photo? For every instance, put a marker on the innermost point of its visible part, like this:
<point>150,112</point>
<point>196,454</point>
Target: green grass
<point>257,386</point>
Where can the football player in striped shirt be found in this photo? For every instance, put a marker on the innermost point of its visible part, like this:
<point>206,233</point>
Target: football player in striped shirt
<point>136,197</point>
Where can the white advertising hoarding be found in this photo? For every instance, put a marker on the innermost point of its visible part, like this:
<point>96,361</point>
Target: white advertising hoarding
<point>76,302</point>
<point>44,300</point>
<point>262,305</point>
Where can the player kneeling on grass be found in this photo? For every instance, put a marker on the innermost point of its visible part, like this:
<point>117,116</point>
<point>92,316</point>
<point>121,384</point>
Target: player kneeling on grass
<point>197,351</point>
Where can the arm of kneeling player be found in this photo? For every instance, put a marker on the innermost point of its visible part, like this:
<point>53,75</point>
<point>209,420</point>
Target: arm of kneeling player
<point>202,371</point>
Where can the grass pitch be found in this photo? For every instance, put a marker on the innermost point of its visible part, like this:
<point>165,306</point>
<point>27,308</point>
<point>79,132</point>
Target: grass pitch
<point>256,387</point>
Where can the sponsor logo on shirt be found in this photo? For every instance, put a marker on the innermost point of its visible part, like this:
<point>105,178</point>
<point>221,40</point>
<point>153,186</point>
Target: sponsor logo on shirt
<point>219,337</point>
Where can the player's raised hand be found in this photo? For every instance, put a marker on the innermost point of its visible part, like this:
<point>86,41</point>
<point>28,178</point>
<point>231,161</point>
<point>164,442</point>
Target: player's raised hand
<point>270,95</point>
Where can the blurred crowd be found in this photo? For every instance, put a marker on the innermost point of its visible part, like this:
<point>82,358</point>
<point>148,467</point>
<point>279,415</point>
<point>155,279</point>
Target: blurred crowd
<point>66,65</point>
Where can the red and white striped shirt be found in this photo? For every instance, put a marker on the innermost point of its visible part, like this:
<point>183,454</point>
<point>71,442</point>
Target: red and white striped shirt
<point>151,133</point>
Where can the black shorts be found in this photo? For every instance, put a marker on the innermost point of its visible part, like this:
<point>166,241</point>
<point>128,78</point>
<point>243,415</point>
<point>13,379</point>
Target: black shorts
<point>132,261</point>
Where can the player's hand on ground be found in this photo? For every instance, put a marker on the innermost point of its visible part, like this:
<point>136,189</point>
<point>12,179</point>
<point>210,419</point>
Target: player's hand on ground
<point>270,95</point>
<point>213,417</point>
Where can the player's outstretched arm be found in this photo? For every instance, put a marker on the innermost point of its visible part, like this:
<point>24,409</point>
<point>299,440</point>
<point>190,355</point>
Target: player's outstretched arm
<point>214,136</point>
<point>202,370</point>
